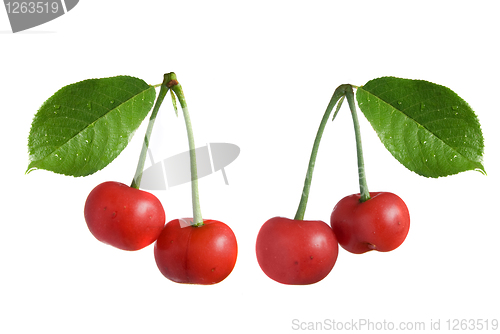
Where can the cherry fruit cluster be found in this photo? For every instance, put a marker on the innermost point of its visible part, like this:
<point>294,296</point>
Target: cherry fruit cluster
<point>426,127</point>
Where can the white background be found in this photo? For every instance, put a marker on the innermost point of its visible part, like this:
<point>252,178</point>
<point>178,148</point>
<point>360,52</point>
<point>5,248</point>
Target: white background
<point>257,74</point>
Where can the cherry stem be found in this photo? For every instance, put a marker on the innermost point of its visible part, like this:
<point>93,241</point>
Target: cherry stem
<point>136,182</point>
<point>363,187</point>
<point>177,89</point>
<point>338,94</point>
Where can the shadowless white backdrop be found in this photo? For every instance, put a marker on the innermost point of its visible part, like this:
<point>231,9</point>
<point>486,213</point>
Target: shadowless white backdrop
<point>259,75</point>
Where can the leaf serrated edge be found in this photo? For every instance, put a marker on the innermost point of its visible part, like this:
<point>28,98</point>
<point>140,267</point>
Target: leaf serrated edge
<point>478,162</point>
<point>32,163</point>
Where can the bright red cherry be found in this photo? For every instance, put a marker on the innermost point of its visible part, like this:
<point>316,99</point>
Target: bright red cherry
<point>204,254</point>
<point>296,251</point>
<point>380,223</point>
<point>124,217</point>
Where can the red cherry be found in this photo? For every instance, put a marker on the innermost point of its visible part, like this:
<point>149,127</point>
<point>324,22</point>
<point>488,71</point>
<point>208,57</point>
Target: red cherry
<point>296,251</point>
<point>198,255</point>
<point>124,217</point>
<point>380,223</point>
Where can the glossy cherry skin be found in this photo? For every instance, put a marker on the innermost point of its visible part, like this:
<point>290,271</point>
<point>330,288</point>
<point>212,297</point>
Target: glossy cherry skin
<point>296,251</point>
<point>380,223</point>
<point>124,217</point>
<point>196,255</point>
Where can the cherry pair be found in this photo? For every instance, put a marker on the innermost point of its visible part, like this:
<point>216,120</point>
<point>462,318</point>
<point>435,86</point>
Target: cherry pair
<point>304,252</point>
<point>131,219</point>
<point>194,250</point>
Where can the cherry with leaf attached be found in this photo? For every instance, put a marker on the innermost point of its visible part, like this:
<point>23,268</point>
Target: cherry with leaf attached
<point>429,129</point>
<point>82,128</point>
<point>426,127</point>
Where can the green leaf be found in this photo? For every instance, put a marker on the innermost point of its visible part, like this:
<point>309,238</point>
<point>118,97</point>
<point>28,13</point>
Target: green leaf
<point>86,125</point>
<point>425,126</point>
